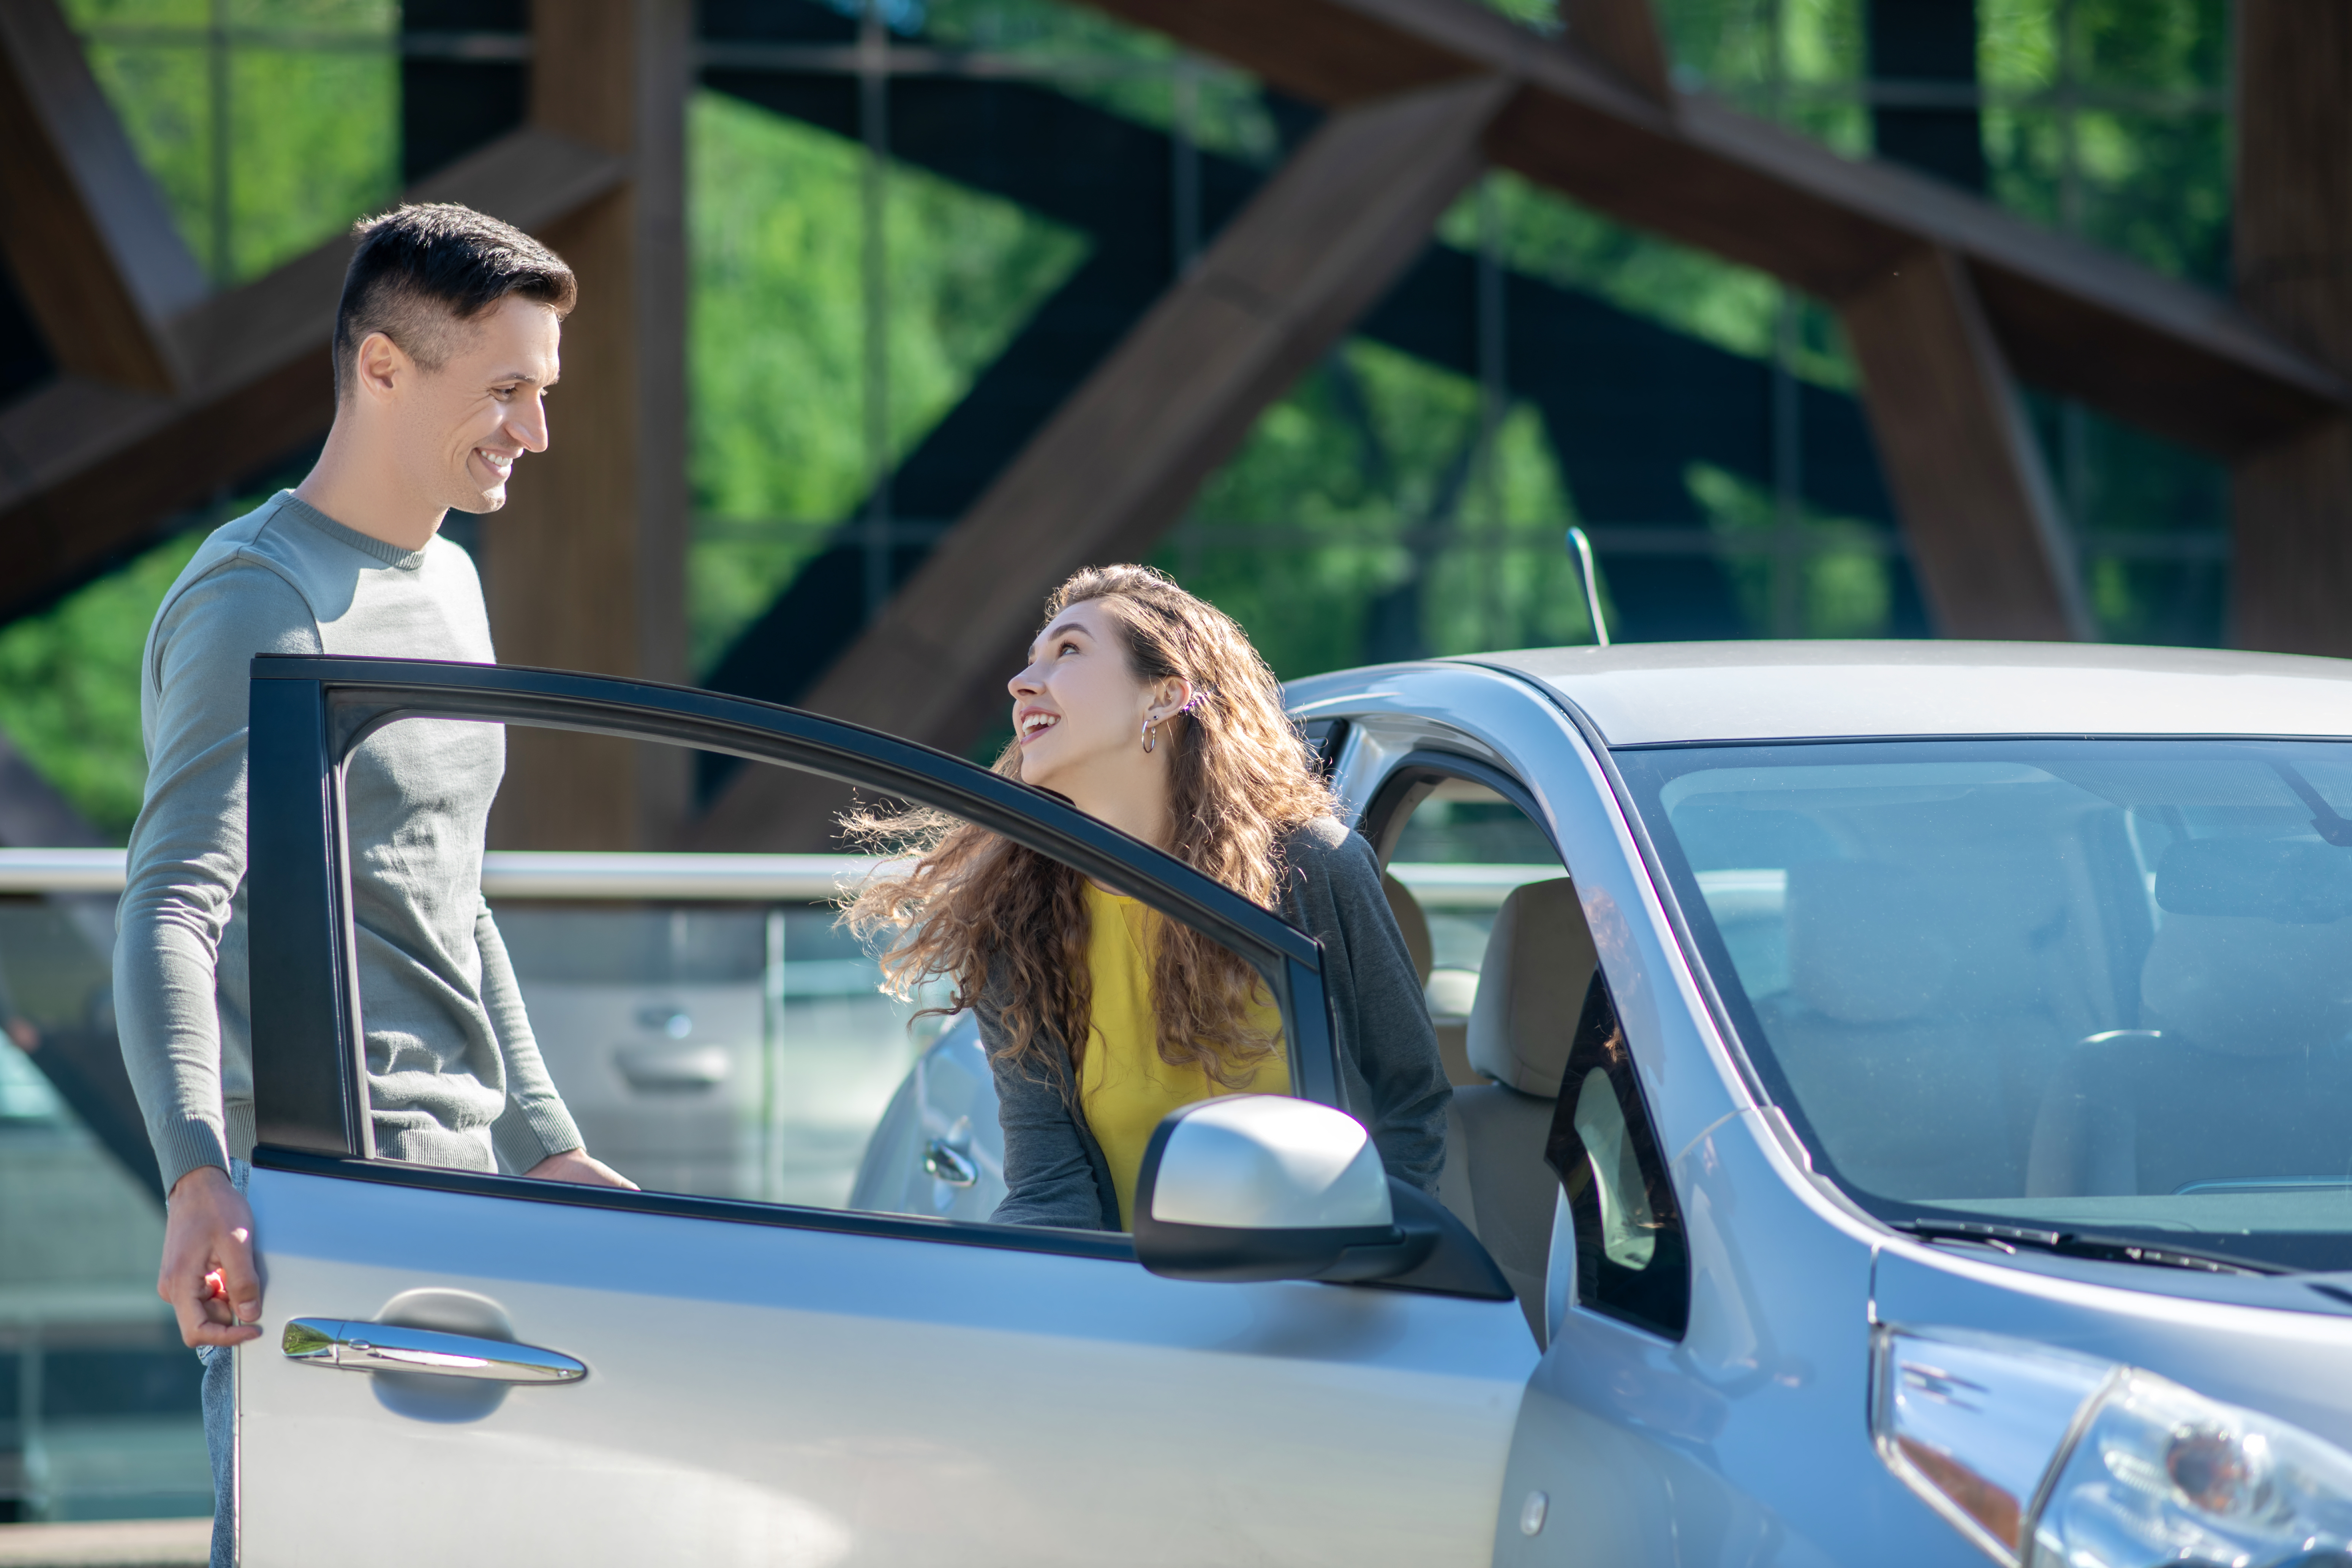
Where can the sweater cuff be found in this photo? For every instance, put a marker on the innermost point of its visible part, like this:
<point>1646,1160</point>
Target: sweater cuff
<point>530,1132</point>
<point>184,1146</point>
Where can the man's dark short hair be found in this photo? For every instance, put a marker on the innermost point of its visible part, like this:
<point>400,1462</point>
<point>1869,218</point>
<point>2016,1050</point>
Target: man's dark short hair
<point>422,271</point>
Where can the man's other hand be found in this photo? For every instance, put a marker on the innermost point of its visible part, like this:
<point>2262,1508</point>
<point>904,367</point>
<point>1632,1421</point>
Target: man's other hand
<point>579,1165</point>
<point>208,1275</point>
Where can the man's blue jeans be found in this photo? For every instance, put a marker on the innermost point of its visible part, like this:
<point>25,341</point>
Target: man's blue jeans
<point>220,1423</point>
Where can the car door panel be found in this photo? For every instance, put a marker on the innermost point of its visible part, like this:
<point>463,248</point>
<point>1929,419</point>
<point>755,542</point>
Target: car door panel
<point>767,1384</point>
<point>760,1394</point>
<point>1644,1448</point>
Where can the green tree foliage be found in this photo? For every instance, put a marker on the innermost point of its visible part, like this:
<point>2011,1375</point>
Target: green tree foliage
<point>1369,516</point>
<point>2110,120</point>
<point>1835,583</point>
<point>70,687</point>
<point>308,140</point>
<point>267,135</point>
<point>1383,506</point>
<point>2106,118</point>
<point>777,350</point>
<point>1139,75</point>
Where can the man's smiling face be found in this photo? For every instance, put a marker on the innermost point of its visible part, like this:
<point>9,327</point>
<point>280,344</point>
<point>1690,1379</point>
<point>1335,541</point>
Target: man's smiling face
<point>469,421</point>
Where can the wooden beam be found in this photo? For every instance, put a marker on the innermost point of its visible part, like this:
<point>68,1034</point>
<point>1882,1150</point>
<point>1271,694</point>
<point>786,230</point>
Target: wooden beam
<point>2069,317</point>
<point>86,234</point>
<point>2290,583</point>
<point>1623,34</point>
<point>1314,249</point>
<point>88,472</point>
<point>1987,539</point>
<point>585,568</point>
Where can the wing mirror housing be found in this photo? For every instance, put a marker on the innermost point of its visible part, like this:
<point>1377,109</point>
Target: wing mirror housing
<point>1263,1187</point>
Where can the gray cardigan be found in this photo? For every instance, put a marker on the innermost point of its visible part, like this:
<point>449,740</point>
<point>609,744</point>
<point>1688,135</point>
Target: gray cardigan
<point>1391,1077</point>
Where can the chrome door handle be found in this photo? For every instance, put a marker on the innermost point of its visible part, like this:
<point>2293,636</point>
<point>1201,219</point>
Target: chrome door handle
<point>351,1346</point>
<point>944,1162</point>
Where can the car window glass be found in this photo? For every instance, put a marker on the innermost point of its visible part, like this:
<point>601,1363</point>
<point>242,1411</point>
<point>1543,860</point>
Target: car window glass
<point>1631,1261</point>
<point>2077,986</point>
<point>730,1050</point>
<point>718,1030</point>
<point>1460,851</point>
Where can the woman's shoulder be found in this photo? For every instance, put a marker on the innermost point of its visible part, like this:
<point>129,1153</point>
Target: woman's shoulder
<point>1326,846</point>
<point>1318,838</point>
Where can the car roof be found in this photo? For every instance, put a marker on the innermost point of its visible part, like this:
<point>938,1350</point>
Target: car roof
<point>1653,693</point>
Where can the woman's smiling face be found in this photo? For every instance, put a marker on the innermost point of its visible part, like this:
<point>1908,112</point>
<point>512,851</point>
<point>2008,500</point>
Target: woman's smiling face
<point>1078,709</point>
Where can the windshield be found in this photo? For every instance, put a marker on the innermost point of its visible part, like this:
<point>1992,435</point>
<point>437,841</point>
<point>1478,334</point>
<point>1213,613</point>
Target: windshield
<point>2100,985</point>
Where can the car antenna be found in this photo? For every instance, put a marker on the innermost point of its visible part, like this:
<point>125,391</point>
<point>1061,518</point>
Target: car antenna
<point>1579,549</point>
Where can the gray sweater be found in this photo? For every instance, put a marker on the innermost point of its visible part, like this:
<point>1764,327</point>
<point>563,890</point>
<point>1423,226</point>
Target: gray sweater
<point>454,1075</point>
<point>1391,1075</point>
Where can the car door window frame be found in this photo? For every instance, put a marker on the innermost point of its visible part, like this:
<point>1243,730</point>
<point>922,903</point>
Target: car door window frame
<point>1394,797</point>
<point>1630,1296</point>
<point>309,713</point>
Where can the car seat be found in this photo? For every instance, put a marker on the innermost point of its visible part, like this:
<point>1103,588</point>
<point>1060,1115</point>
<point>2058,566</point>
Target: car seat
<point>1538,964</point>
<point>1412,923</point>
<point>1453,1176</point>
<point>2244,1077</point>
<point>1452,1027</point>
<point>1917,1025</point>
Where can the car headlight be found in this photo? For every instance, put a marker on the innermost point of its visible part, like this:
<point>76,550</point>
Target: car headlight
<point>2048,1459</point>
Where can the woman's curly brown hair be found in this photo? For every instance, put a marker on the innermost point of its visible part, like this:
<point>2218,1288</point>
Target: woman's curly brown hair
<point>976,908</point>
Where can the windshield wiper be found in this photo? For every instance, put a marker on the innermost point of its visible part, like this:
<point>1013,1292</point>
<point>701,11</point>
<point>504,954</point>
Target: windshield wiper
<point>2078,1243</point>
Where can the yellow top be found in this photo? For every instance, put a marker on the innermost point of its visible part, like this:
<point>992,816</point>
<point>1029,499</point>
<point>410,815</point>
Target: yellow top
<point>1123,1084</point>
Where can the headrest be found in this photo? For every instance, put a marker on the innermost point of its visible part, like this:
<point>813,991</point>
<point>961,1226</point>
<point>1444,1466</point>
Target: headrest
<point>1412,923</point>
<point>2001,911</point>
<point>2250,986</point>
<point>1531,984</point>
<point>1866,940</point>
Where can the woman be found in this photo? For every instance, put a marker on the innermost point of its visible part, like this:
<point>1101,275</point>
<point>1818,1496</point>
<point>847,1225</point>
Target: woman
<point>1148,708</point>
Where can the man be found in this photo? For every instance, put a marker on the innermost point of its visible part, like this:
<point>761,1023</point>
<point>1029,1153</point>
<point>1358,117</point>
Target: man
<point>445,347</point>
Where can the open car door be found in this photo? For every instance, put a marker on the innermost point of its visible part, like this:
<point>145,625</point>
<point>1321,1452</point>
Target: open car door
<point>467,1368</point>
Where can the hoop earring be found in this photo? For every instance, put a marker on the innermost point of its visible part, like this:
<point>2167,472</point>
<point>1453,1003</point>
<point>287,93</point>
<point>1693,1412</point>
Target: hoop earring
<point>1151,737</point>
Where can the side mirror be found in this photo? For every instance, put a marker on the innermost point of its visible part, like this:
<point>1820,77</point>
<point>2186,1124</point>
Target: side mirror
<point>1263,1187</point>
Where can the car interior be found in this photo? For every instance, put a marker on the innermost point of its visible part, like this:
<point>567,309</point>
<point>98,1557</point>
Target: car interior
<point>1506,1047</point>
<point>1929,1056</point>
<point>2013,988</point>
<point>1919,967</point>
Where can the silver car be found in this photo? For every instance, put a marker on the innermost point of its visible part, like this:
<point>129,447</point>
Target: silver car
<point>1901,1116</point>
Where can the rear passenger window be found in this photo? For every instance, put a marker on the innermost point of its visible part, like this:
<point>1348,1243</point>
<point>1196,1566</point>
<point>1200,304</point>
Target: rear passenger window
<point>1631,1262</point>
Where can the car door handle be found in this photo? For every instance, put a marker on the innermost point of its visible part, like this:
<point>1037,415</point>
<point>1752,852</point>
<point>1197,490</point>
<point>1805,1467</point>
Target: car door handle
<point>353,1346</point>
<point>946,1162</point>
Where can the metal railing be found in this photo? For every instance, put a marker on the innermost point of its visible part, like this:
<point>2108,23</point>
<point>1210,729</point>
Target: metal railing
<point>657,877</point>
